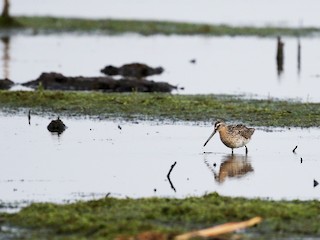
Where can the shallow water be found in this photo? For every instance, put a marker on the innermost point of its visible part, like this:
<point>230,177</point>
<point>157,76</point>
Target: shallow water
<point>93,158</point>
<point>235,12</point>
<point>224,65</point>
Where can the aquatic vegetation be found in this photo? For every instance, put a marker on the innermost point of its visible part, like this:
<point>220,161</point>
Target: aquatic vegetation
<point>112,26</point>
<point>165,107</point>
<point>110,217</point>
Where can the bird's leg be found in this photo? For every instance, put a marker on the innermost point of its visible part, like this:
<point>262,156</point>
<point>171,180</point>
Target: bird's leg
<point>246,150</point>
<point>232,151</point>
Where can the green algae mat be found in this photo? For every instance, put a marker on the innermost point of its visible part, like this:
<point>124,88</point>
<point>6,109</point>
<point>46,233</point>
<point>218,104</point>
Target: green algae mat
<point>110,218</point>
<point>165,107</point>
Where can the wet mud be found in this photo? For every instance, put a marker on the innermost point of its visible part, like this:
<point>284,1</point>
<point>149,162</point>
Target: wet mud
<point>57,81</point>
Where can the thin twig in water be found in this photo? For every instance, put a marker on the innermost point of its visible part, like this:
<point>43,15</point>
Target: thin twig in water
<point>29,117</point>
<point>168,176</point>
<point>172,166</point>
<point>294,150</point>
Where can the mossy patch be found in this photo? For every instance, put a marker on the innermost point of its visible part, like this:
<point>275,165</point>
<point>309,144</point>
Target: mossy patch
<point>165,107</point>
<point>110,217</point>
<point>113,26</point>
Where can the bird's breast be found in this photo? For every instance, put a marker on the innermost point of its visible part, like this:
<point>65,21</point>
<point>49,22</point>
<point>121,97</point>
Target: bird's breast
<point>233,141</point>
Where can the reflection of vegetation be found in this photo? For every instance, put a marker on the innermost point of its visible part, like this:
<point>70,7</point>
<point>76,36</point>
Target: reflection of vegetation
<point>167,107</point>
<point>110,217</point>
<point>152,27</point>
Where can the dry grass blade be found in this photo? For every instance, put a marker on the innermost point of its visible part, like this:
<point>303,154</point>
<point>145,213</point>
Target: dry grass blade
<point>220,229</point>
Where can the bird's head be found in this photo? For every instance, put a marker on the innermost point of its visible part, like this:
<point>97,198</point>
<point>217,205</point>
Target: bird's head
<point>217,126</point>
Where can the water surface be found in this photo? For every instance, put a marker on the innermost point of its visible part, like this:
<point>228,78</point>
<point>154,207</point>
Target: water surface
<point>93,158</point>
<point>224,65</point>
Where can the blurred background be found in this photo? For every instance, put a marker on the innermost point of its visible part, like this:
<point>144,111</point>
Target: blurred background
<point>201,64</point>
<point>233,12</point>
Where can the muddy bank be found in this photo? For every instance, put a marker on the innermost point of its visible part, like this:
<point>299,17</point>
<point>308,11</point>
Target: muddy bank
<point>57,81</point>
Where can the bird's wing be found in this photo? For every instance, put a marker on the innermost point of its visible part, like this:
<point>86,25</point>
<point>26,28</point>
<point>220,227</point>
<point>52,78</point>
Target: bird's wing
<point>243,130</point>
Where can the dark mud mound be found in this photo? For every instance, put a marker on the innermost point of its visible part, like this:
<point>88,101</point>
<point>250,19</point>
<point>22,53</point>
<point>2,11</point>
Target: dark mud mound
<point>57,81</point>
<point>56,126</point>
<point>6,84</point>
<point>135,70</point>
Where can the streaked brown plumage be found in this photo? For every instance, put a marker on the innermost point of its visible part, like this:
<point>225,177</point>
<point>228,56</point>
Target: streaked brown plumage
<point>233,136</point>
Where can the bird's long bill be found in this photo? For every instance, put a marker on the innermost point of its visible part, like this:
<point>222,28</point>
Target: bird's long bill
<point>214,132</point>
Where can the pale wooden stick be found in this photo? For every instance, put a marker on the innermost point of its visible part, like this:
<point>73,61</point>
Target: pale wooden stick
<point>220,229</point>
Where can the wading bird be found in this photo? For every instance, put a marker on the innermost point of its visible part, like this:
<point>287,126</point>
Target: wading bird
<point>233,136</point>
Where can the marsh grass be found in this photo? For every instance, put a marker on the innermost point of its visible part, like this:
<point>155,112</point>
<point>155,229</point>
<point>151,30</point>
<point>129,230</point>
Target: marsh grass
<point>110,217</point>
<point>113,26</point>
<point>165,107</point>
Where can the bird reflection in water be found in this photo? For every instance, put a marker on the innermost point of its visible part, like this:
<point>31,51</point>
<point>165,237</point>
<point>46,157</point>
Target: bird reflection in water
<point>232,166</point>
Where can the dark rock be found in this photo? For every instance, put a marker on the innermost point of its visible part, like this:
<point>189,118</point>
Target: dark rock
<point>6,84</point>
<point>57,81</point>
<point>110,70</point>
<point>56,126</point>
<point>136,70</point>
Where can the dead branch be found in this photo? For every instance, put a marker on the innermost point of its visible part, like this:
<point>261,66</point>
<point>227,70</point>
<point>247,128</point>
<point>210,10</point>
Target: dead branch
<point>168,176</point>
<point>220,229</point>
<point>294,150</point>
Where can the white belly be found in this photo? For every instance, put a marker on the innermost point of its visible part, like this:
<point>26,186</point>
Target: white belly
<point>241,142</point>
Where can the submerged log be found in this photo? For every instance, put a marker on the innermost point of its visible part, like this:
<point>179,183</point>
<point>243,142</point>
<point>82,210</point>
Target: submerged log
<point>57,81</point>
<point>136,70</point>
<point>6,84</point>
